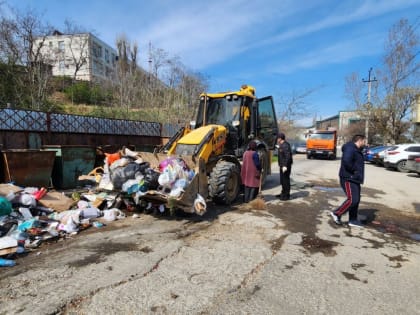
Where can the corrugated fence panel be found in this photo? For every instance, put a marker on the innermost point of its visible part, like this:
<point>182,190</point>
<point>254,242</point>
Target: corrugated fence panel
<point>168,130</point>
<point>13,119</point>
<point>22,120</point>
<point>95,125</point>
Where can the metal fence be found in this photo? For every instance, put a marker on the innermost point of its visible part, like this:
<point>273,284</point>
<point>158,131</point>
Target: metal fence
<point>35,121</point>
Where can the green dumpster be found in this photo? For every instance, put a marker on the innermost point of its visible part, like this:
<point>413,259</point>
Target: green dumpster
<point>28,168</point>
<point>71,161</point>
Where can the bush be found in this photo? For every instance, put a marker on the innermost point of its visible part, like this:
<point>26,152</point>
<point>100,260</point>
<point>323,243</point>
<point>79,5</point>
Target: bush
<point>84,93</point>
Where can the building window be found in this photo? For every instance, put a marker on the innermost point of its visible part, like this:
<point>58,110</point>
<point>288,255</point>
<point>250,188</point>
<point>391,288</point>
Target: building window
<point>106,55</point>
<point>61,65</point>
<point>98,68</point>
<point>97,50</point>
<point>61,45</point>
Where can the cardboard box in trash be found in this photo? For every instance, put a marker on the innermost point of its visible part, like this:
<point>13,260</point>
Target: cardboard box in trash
<point>56,201</point>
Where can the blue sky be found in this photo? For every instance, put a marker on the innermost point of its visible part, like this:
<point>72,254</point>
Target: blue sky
<point>278,46</point>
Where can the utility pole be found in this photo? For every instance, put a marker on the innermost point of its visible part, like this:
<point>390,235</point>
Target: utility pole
<point>369,82</point>
<point>150,59</point>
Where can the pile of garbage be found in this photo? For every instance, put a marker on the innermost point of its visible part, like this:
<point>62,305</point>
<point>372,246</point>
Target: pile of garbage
<point>127,172</point>
<point>30,216</point>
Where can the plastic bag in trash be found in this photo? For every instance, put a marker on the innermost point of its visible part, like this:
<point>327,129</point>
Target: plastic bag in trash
<point>200,205</point>
<point>113,214</point>
<point>5,206</point>
<point>69,227</point>
<point>7,262</point>
<point>151,177</point>
<point>112,157</point>
<point>165,163</point>
<point>89,213</point>
<point>122,174</point>
<point>181,183</point>
<point>176,192</point>
<point>27,200</point>
<point>131,185</point>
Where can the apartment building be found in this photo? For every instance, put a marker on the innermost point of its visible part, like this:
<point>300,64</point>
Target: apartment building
<point>83,55</point>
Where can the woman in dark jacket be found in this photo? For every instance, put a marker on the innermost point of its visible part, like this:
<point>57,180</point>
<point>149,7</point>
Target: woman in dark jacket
<point>352,175</point>
<point>251,172</point>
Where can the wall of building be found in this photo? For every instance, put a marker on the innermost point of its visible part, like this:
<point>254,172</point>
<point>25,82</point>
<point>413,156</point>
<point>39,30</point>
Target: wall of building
<point>64,51</point>
<point>416,110</point>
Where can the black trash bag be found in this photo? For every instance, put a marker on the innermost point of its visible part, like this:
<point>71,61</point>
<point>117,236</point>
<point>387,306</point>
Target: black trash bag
<point>143,167</point>
<point>121,174</point>
<point>151,178</point>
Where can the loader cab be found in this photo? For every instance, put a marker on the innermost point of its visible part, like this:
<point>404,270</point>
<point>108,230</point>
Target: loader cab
<point>232,111</point>
<point>244,116</point>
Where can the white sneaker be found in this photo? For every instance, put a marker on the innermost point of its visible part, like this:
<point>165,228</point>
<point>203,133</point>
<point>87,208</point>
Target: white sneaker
<point>336,218</point>
<point>356,223</point>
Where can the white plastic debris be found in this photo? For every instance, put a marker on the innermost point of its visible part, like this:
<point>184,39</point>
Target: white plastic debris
<point>200,205</point>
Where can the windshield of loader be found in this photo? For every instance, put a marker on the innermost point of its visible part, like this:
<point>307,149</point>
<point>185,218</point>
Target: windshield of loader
<point>220,111</point>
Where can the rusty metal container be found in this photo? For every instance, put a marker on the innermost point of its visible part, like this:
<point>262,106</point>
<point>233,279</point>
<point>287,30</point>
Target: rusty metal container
<point>28,168</point>
<point>71,161</point>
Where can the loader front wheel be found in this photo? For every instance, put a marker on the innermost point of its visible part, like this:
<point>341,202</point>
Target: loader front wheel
<point>224,183</point>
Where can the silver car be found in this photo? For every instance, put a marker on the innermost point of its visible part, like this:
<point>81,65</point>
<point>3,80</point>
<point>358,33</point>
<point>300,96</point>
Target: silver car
<point>413,163</point>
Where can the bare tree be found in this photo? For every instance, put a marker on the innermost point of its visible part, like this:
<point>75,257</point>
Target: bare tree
<point>394,93</point>
<point>400,77</point>
<point>293,107</point>
<point>185,87</point>
<point>22,38</point>
<point>78,46</point>
<point>355,90</point>
<point>127,71</point>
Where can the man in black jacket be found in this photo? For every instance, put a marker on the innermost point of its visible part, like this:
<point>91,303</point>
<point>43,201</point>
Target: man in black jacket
<point>285,161</point>
<point>352,172</point>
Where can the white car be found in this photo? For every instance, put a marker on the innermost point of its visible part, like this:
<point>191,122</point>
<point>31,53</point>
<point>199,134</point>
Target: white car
<point>397,157</point>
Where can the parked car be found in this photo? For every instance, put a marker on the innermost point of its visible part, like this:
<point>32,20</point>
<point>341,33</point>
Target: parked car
<point>378,157</point>
<point>370,152</point>
<point>397,158</point>
<point>301,148</point>
<point>413,163</point>
<point>418,165</point>
<point>296,146</point>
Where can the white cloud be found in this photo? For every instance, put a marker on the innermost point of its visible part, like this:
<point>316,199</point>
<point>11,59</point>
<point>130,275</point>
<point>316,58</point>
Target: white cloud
<point>207,33</point>
<point>339,52</point>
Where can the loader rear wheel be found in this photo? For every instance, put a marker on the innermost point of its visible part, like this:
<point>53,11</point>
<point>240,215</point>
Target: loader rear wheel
<point>224,183</point>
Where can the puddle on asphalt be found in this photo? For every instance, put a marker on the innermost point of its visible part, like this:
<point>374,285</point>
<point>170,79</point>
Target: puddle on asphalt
<point>304,218</point>
<point>316,245</point>
<point>328,188</point>
<point>415,236</point>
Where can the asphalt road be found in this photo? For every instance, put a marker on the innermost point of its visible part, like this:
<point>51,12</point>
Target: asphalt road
<point>287,259</point>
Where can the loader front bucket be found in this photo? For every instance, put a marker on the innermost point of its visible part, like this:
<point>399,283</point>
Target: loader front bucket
<point>186,201</point>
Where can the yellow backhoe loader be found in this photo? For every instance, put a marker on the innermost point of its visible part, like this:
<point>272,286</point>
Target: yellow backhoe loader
<point>212,146</point>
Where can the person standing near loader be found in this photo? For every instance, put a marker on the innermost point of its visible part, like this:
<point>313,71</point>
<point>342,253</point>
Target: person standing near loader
<point>352,173</point>
<point>285,161</point>
<point>251,172</point>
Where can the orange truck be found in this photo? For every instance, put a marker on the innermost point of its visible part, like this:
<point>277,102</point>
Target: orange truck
<point>322,143</point>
